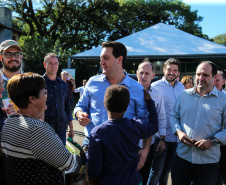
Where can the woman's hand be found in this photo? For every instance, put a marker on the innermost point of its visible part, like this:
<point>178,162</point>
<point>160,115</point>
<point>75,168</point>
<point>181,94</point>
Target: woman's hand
<point>10,110</point>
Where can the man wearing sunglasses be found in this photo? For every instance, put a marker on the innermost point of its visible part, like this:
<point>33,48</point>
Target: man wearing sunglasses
<point>11,58</point>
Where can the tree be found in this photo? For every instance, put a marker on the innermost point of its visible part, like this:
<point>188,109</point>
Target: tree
<point>220,39</point>
<point>72,26</point>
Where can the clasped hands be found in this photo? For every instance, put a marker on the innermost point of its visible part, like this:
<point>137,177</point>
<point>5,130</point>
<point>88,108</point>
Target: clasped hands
<point>202,144</point>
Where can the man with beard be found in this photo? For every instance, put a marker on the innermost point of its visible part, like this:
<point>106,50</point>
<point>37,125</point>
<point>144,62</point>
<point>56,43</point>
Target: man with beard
<point>199,120</point>
<point>11,57</point>
<point>170,89</point>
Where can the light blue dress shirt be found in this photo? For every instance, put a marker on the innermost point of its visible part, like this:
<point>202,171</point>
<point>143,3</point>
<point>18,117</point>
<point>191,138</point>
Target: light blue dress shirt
<point>170,95</point>
<point>92,101</point>
<point>156,95</point>
<point>80,90</point>
<point>200,117</point>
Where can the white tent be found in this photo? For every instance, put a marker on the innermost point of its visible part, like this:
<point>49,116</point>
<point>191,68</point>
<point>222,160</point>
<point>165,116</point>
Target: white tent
<point>162,41</point>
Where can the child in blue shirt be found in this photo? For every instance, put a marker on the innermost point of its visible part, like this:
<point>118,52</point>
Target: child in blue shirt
<point>113,147</point>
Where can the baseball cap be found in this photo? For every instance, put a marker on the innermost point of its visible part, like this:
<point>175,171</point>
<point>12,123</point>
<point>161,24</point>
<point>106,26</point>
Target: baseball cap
<point>9,43</point>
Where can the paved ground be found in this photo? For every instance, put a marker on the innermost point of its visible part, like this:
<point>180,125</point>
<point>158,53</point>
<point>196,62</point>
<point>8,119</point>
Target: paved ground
<point>78,130</point>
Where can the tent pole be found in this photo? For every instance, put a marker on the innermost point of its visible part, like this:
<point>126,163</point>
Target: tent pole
<point>69,62</point>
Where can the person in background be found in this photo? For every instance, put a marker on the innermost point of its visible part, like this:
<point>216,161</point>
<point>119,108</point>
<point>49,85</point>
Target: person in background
<point>65,76</point>
<point>187,81</point>
<point>199,120</point>
<point>33,152</point>
<point>90,110</point>
<point>113,149</point>
<point>219,81</point>
<point>58,114</point>
<point>145,74</point>
<point>11,58</point>
<point>81,89</point>
<point>170,89</point>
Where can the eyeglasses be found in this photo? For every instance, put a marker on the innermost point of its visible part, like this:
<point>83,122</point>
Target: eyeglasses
<point>2,84</point>
<point>10,55</point>
<point>45,92</point>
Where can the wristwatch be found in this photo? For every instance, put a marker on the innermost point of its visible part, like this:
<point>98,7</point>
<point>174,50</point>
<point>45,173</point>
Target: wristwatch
<point>214,142</point>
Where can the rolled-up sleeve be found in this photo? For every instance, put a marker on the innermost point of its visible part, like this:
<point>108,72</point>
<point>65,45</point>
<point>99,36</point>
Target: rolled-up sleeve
<point>221,136</point>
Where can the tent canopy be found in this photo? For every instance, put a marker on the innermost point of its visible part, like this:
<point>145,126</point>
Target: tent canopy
<point>162,41</point>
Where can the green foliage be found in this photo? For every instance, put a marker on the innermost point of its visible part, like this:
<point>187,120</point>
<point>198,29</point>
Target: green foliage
<point>72,26</point>
<point>35,48</point>
<point>220,39</point>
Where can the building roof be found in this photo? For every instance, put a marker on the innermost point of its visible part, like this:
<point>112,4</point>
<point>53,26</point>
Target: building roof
<point>162,41</point>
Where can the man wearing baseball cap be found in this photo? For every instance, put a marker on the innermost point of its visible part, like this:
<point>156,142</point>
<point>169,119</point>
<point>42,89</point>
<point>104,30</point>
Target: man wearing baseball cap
<point>11,58</point>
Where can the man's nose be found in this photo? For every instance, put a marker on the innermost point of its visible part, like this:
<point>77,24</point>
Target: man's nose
<point>101,61</point>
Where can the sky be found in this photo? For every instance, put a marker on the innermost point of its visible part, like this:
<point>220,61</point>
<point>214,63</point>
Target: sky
<point>213,13</point>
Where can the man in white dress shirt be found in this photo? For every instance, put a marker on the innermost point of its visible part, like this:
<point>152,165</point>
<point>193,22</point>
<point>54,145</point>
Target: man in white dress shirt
<point>170,89</point>
<point>145,74</point>
<point>220,81</point>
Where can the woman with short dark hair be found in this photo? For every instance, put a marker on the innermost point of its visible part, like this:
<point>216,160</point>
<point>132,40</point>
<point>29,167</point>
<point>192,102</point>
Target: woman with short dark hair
<point>34,154</point>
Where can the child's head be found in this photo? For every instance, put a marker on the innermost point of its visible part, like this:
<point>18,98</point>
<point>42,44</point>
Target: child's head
<point>116,98</point>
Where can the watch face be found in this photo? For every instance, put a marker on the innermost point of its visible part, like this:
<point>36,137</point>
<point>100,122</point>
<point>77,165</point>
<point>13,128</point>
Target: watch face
<point>214,142</point>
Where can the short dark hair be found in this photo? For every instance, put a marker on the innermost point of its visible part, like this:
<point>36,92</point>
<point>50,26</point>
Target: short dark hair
<point>21,87</point>
<point>214,67</point>
<point>48,55</point>
<point>116,98</point>
<point>118,50</point>
<point>146,61</point>
<point>173,61</point>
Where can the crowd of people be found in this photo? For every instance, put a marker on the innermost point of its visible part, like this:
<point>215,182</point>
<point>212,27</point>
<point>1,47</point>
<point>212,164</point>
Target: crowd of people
<point>137,132</point>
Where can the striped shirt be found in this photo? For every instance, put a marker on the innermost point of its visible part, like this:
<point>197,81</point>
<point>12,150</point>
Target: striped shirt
<point>200,117</point>
<point>34,153</point>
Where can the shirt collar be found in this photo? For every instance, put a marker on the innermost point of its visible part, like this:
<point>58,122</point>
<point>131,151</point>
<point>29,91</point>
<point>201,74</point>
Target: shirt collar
<point>5,78</point>
<point>47,79</point>
<point>213,91</point>
<point>151,88</point>
<point>126,81</point>
<point>166,82</point>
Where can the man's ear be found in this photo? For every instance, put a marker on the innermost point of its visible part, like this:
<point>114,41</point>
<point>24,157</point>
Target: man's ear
<point>1,57</point>
<point>153,76</point>
<point>120,59</point>
<point>44,64</point>
<point>137,73</point>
